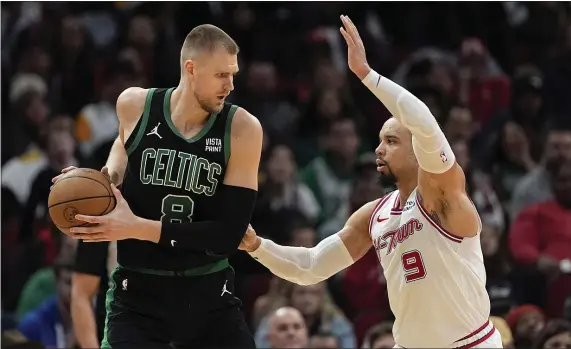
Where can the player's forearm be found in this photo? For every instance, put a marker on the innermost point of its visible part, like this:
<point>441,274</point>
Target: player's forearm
<point>217,237</point>
<point>117,161</point>
<point>304,266</point>
<point>84,325</point>
<point>431,148</point>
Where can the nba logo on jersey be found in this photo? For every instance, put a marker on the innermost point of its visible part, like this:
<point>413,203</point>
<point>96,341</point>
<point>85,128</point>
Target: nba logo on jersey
<point>443,156</point>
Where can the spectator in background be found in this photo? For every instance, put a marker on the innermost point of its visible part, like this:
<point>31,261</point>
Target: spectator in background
<point>30,112</point>
<point>327,104</point>
<point>51,322</point>
<point>525,322</point>
<point>499,282</point>
<point>61,154</point>
<point>365,188</point>
<point>541,236</point>
<point>535,186</point>
<point>329,176</point>
<point>263,98</point>
<point>324,340</point>
<point>504,329</point>
<point>319,312</point>
<point>483,91</point>
<point>379,337</point>
<point>303,234</point>
<point>275,298</point>
<point>555,335</point>
<point>479,187</point>
<point>97,122</point>
<point>27,111</point>
<point>286,329</point>
<point>75,64</point>
<point>527,109</point>
<point>281,189</point>
<point>511,161</point>
<point>459,125</point>
<point>43,284</point>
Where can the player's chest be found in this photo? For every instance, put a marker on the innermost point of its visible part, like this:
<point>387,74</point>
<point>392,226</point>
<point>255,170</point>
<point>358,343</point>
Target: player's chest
<point>394,231</point>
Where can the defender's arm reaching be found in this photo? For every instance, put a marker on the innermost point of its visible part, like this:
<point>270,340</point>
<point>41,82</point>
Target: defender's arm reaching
<point>306,266</point>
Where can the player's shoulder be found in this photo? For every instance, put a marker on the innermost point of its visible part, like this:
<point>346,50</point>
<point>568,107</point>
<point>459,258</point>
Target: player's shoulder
<point>245,124</point>
<point>131,104</point>
<point>364,213</point>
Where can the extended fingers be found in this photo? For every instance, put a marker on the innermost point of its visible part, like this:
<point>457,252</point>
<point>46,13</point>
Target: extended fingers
<point>64,171</point>
<point>91,219</point>
<point>347,37</point>
<point>99,237</point>
<point>353,31</point>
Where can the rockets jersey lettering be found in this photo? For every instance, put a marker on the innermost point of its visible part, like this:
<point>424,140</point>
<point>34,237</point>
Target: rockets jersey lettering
<point>435,279</point>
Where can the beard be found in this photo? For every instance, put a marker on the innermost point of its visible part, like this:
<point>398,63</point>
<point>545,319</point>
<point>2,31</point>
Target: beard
<point>208,106</point>
<point>388,180</point>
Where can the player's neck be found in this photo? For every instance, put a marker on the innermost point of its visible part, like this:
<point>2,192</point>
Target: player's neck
<point>405,187</point>
<point>185,109</point>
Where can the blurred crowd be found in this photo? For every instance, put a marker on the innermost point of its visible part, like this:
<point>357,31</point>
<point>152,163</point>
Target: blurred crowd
<point>497,76</point>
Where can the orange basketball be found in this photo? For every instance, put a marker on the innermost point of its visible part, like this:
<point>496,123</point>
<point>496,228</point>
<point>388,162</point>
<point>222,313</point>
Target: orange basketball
<point>80,191</point>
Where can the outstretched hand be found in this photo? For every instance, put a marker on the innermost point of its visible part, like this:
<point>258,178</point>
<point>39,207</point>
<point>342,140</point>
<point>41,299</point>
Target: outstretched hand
<point>356,54</point>
<point>119,224</point>
<point>250,241</point>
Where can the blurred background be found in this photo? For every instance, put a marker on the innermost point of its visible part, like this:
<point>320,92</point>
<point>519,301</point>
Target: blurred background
<point>496,75</point>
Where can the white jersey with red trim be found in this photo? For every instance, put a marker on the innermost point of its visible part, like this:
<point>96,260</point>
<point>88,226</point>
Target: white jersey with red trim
<point>436,280</point>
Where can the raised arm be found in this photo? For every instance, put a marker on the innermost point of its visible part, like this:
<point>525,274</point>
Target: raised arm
<point>441,181</point>
<point>307,266</point>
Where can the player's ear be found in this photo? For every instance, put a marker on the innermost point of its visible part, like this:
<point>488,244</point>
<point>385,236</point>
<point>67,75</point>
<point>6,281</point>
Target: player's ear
<point>189,66</point>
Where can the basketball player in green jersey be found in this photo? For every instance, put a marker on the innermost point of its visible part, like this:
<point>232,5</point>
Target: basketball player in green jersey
<point>188,164</point>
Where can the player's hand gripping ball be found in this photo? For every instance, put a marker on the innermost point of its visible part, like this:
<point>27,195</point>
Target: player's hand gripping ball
<point>120,224</point>
<point>79,191</point>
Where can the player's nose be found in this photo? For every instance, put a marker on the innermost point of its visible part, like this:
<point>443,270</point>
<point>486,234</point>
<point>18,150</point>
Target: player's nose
<point>380,150</point>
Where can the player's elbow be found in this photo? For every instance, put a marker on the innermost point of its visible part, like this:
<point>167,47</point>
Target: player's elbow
<point>415,115</point>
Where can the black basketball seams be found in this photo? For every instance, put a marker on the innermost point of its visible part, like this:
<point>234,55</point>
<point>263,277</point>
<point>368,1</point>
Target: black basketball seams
<point>95,180</point>
<point>85,198</point>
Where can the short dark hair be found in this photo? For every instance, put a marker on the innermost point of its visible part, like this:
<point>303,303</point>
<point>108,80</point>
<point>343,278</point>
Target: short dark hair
<point>208,37</point>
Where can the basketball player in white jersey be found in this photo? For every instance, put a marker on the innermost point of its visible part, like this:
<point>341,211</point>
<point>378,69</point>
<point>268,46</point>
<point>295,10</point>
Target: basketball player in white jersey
<point>426,233</point>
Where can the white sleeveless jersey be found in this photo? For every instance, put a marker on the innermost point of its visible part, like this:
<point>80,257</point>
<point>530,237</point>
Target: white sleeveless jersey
<point>436,280</point>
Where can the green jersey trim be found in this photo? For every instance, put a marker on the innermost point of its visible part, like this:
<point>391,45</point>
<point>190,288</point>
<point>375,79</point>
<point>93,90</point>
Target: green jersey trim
<point>168,118</point>
<point>144,120</point>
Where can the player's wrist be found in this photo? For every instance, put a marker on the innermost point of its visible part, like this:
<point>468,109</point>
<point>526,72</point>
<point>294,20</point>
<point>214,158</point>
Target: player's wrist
<point>256,248</point>
<point>255,245</point>
<point>364,72</point>
<point>147,230</point>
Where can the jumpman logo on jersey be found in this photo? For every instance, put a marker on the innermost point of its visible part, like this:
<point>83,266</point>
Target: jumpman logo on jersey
<point>155,131</point>
<point>224,290</point>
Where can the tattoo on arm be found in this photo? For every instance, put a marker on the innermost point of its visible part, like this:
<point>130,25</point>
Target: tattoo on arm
<point>435,215</point>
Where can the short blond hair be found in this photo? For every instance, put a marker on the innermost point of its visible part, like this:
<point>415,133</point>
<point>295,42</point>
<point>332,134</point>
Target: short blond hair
<point>207,38</point>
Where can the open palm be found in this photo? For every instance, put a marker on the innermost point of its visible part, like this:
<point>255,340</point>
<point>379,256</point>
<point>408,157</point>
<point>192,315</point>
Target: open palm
<point>355,49</point>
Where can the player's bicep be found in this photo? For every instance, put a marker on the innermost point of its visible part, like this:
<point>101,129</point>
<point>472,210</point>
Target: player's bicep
<point>130,106</point>
<point>245,152</point>
<point>355,233</point>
